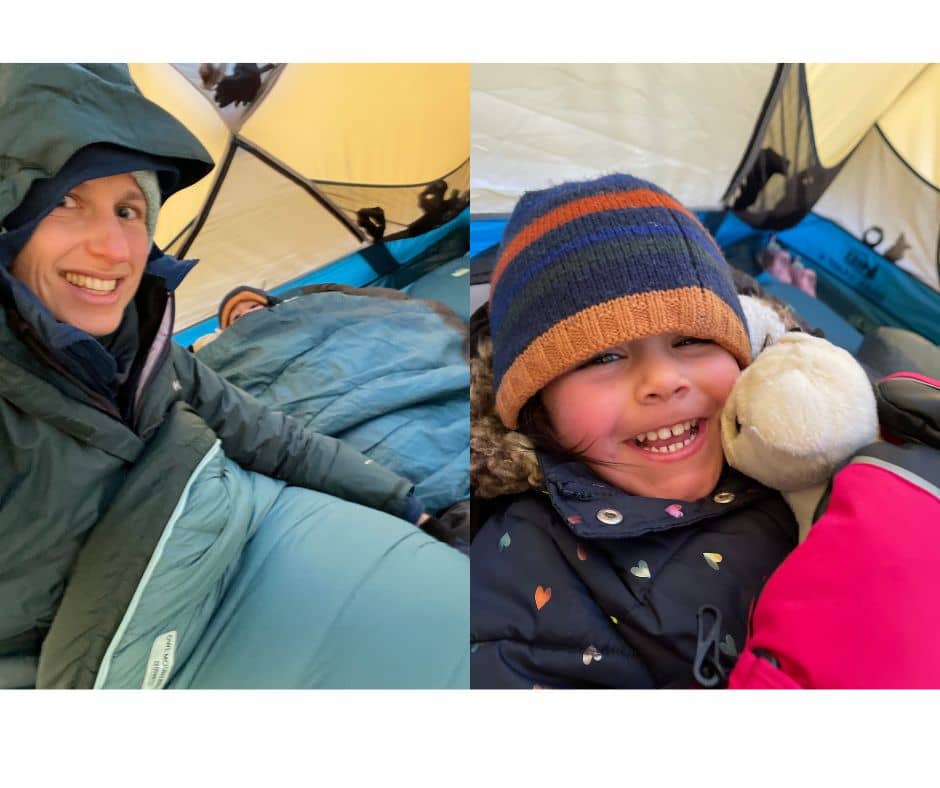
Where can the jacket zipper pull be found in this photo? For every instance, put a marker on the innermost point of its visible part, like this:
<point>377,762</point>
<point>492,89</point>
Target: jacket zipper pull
<point>707,668</point>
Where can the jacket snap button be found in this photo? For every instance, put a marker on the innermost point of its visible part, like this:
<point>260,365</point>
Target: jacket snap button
<point>609,516</point>
<point>723,497</point>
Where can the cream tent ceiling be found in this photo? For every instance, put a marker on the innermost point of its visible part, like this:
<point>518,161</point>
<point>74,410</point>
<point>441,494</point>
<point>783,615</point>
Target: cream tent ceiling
<point>300,149</point>
<point>683,127</point>
<point>689,127</point>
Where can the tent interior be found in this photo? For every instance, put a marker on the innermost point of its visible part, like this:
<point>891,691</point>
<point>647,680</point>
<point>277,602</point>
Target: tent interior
<point>332,184</point>
<point>349,173</point>
<point>836,164</point>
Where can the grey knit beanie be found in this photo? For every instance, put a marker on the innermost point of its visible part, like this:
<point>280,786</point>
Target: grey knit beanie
<point>147,180</point>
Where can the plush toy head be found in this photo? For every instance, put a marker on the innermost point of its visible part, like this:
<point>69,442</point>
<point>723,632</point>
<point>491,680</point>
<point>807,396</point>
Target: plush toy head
<point>802,408</point>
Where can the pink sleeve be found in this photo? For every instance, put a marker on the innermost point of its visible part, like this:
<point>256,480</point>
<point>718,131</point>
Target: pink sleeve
<point>857,605</point>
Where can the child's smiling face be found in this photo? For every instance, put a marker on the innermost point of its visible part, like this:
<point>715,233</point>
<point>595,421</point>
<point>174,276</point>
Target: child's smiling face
<point>644,414</point>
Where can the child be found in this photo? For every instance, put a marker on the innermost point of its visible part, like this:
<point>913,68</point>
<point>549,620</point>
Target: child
<point>631,553</point>
<point>235,304</point>
<point>241,300</point>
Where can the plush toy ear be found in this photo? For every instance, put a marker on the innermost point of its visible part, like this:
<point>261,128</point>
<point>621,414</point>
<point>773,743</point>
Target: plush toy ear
<point>764,326</point>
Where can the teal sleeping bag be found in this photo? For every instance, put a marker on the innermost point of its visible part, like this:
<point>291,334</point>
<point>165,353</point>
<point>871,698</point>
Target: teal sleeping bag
<point>387,376</point>
<point>251,583</point>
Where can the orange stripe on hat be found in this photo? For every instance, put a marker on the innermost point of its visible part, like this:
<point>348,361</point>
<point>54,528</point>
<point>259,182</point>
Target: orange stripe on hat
<point>597,203</point>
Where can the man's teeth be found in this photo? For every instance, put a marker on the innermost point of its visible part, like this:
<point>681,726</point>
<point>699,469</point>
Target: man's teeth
<point>664,433</point>
<point>90,283</point>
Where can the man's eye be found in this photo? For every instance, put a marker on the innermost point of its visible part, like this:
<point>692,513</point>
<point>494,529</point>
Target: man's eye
<point>128,212</point>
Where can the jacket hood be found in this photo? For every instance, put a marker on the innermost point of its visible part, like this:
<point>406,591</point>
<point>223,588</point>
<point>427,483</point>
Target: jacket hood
<point>63,124</point>
<point>53,110</point>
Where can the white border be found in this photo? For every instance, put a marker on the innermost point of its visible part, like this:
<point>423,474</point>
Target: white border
<point>480,31</point>
<point>462,738</point>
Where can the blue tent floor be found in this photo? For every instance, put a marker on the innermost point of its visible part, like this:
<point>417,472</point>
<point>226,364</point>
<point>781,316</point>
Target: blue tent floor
<point>450,284</point>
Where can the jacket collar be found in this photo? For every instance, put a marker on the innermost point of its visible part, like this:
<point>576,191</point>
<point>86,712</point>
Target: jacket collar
<point>84,356</point>
<point>594,509</point>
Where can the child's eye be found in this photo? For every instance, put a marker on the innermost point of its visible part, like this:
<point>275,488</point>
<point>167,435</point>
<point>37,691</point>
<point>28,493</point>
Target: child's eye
<point>686,341</point>
<point>603,358</point>
<point>68,201</point>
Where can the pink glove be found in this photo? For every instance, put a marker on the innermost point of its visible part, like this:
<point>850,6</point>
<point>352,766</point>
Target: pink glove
<point>856,605</point>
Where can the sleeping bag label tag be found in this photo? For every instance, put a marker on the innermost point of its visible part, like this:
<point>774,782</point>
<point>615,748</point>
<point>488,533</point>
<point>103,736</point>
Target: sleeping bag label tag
<point>161,659</point>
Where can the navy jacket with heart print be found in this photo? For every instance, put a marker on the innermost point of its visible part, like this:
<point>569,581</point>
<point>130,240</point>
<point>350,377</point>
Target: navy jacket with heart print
<point>582,585</point>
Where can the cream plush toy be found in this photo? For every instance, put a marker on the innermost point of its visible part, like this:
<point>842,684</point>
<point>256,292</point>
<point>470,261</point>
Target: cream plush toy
<point>801,409</point>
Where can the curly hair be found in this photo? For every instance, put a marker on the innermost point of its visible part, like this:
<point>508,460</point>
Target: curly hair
<point>502,461</point>
<point>745,284</point>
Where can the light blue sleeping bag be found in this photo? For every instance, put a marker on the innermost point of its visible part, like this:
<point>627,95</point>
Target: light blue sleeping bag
<point>389,377</point>
<point>250,583</point>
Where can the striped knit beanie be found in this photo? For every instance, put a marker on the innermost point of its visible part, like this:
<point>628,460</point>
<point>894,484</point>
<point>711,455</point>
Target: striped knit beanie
<point>590,265</point>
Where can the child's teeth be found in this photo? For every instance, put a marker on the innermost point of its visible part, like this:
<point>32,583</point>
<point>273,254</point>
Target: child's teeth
<point>669,432</point>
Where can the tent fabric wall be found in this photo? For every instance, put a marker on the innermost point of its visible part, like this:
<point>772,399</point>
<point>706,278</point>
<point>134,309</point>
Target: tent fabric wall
<point>891,180</point>
<point>912,125</point>
<point>684,127</point>
<point>392,123</point>
<point>299,158</point>
<point>856,201</point>
<point>821,136</point>
<point>873,131</point>
<point>846,100</point>
<point>859,145</point>
<point>415,259</point>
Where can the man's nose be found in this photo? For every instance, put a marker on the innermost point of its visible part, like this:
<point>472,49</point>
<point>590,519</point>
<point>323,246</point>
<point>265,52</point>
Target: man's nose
<point>107,239</point>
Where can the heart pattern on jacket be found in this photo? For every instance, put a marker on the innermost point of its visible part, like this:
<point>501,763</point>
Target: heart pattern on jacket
<point>642,569</point>
<point>542,596</point>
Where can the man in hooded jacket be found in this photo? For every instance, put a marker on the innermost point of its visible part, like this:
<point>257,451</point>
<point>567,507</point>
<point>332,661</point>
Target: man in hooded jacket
<point>153,532</point>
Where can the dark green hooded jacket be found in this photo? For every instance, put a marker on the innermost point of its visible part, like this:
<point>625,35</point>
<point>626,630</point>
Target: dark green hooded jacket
<point>87,487</point>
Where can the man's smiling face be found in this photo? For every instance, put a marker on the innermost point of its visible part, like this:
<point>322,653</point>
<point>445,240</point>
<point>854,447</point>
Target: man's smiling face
<point>85,259</point>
